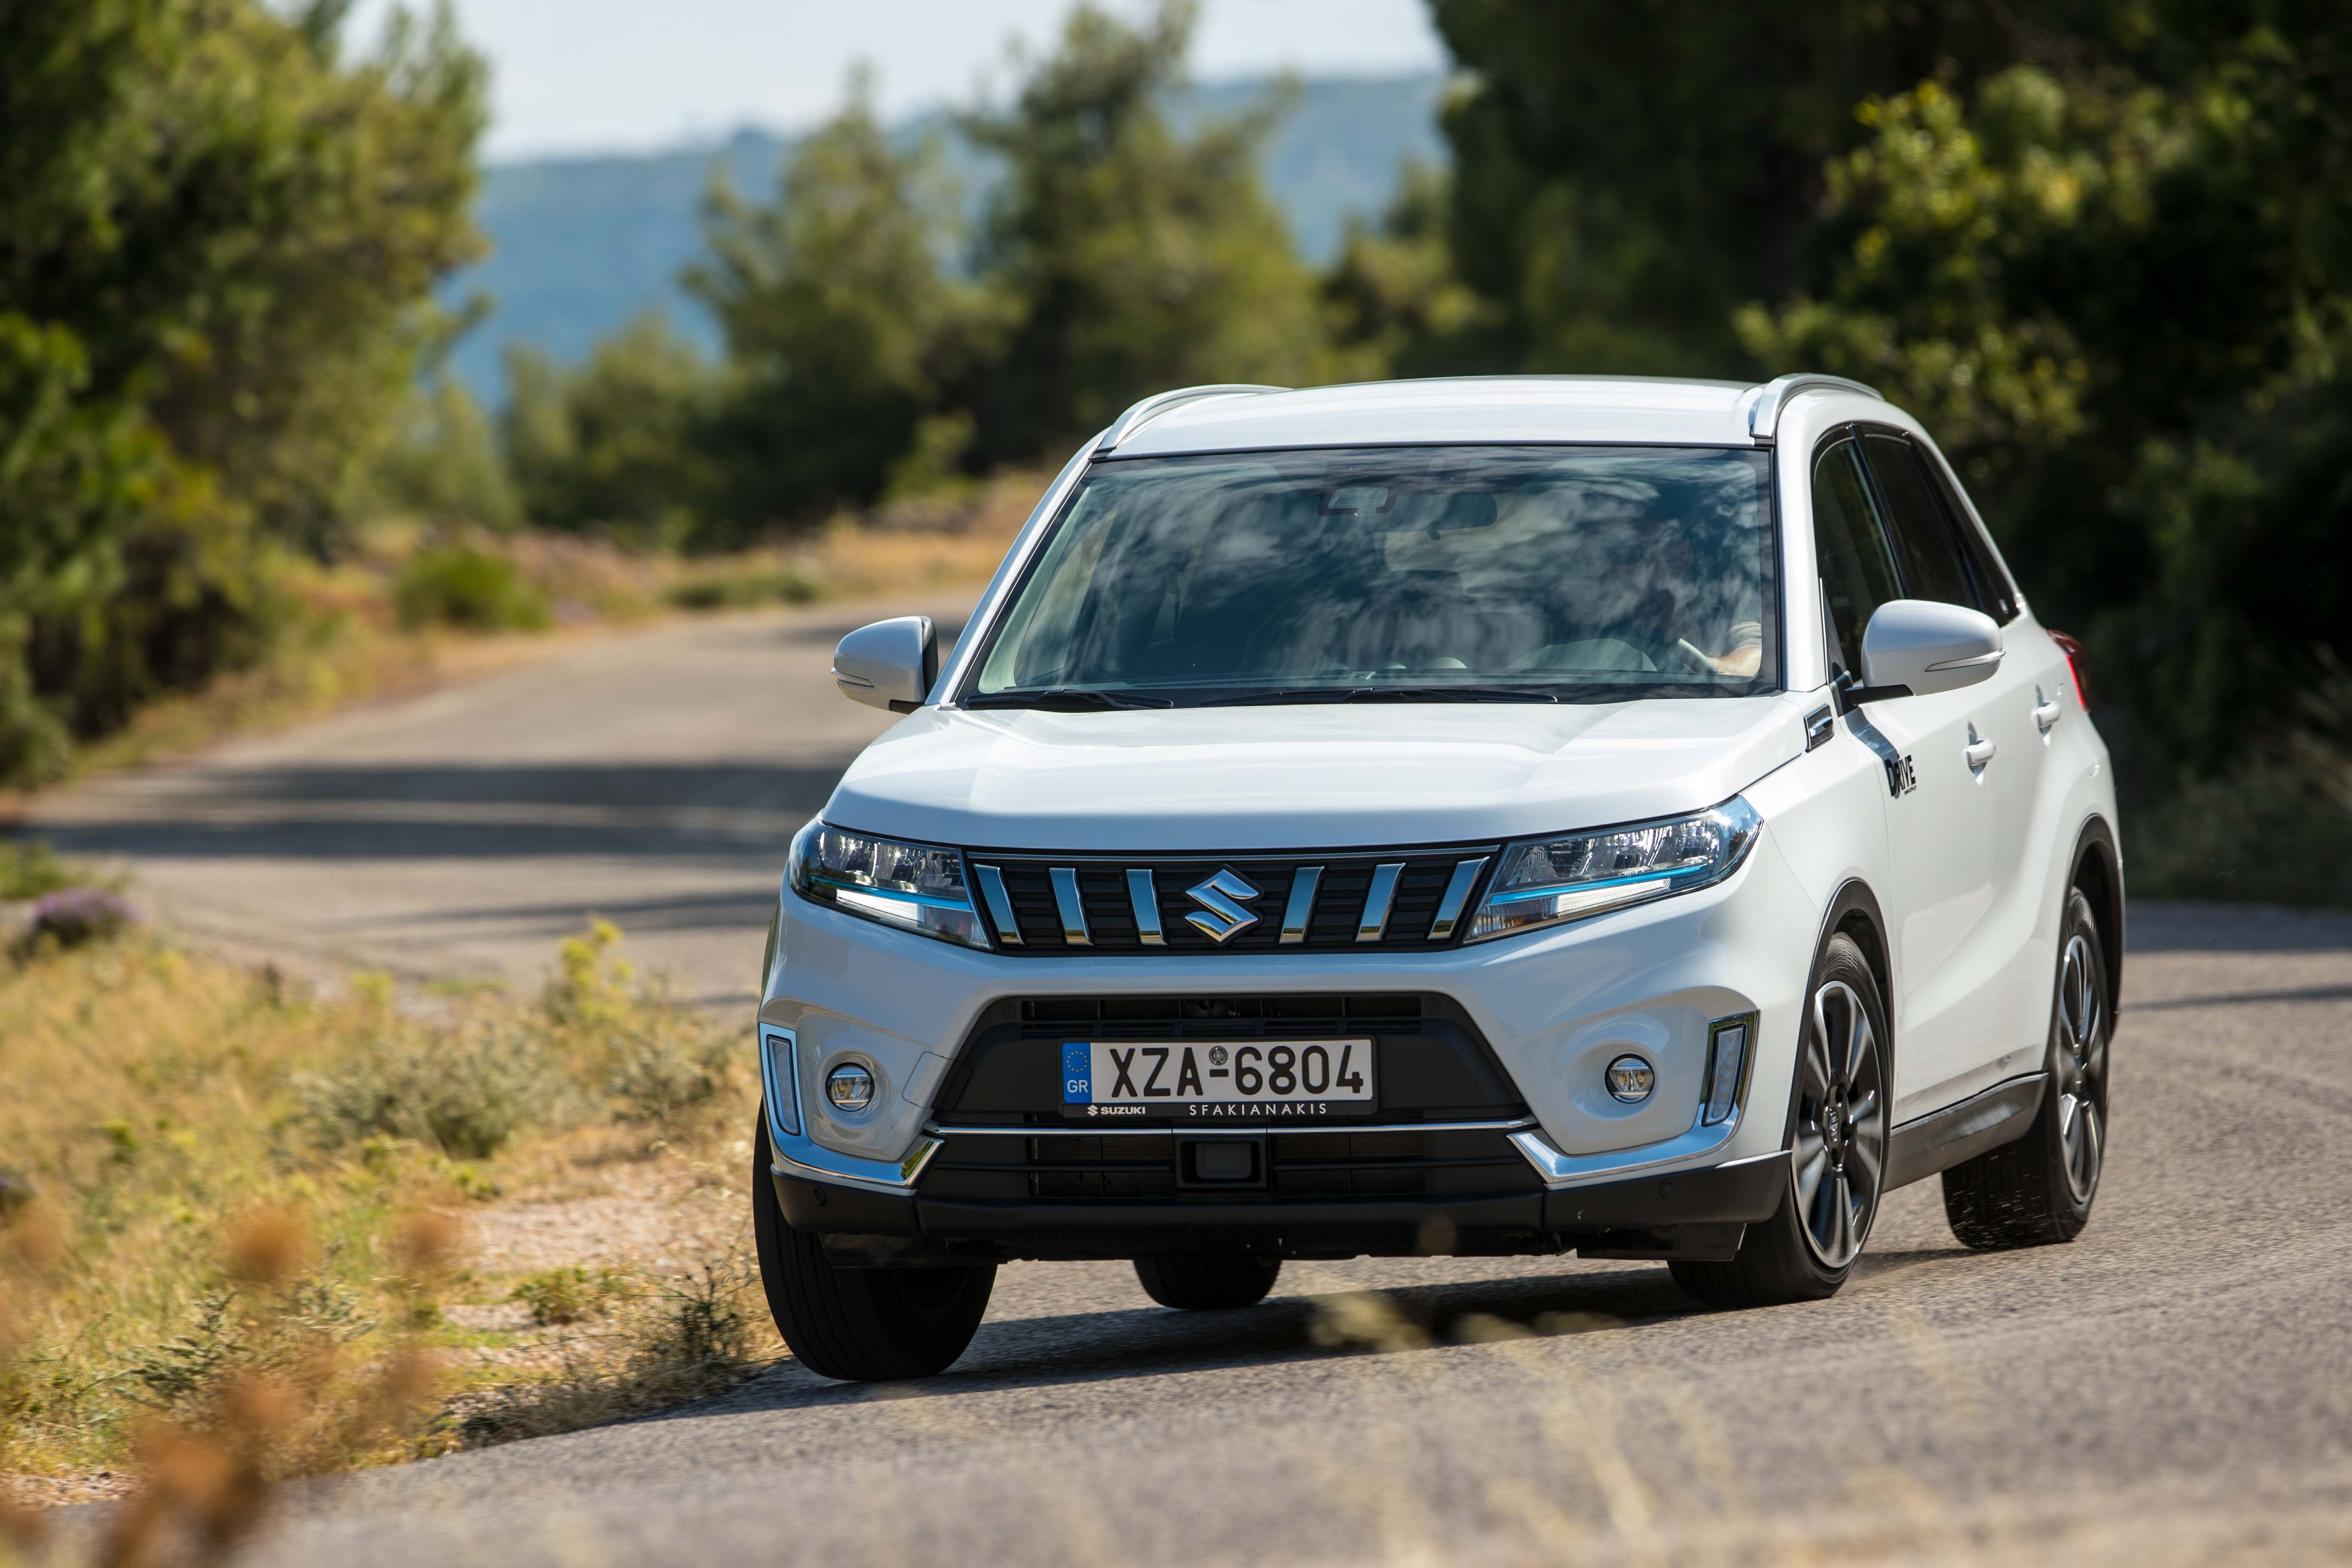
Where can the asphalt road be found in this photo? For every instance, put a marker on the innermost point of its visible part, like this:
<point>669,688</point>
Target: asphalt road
<point>2174,1387</point>
<point>651,780</point>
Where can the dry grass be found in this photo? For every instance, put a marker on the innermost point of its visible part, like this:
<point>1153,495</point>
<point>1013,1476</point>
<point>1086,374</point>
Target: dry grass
<point>231,1256</point>
<point>912,547</point>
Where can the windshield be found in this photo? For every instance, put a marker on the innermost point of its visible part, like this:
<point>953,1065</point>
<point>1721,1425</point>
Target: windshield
<point>1430,573</point>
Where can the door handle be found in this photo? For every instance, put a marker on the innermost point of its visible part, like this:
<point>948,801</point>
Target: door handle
<point>2047,710</point>
<point>1979,752</point>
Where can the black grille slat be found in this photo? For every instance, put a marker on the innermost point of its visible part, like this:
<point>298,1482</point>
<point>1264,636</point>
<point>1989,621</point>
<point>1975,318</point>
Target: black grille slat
<point>1110,913</point>
<point>1160,1151</point>
<point>1031,889</point>
<point>1332,927</point>
<point>1086,1167</point>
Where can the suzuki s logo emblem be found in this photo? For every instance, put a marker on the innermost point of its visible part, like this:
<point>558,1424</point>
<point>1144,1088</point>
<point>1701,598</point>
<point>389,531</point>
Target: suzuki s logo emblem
<point>1219,917</point>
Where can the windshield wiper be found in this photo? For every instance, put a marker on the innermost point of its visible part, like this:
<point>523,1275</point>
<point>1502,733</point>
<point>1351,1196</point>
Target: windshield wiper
<point>1067,699</point>
<point>1386,694</point>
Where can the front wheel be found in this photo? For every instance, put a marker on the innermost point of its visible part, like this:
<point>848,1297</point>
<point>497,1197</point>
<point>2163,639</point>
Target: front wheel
<point>2039,1189</point>
<point>1837,1151</point>
<point>860,1324</point>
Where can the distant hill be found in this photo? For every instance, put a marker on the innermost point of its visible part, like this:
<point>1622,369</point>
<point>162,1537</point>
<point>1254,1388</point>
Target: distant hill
<point>581,244</point>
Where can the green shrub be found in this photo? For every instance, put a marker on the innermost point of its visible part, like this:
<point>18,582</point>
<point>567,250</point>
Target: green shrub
<point>458,586</point>
<point>741,590</point>
<point>465,1094</point>
<point>569,1294</point>
<point>655,1060</point>
<point>31,870</point>
<point>2271,833</point>
<point>657,1075</point>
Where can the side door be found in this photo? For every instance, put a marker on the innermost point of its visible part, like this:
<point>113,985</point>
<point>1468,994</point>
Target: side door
<point>1938,825</point>
<point>2029,708</point>
<point>1979,759</point>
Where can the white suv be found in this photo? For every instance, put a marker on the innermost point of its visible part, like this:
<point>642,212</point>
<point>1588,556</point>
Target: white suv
<point>1639,818</point>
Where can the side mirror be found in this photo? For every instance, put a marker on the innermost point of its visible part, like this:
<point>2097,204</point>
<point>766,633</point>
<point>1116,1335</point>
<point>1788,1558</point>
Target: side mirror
<point>1923,647</point>
<point>890,664</point>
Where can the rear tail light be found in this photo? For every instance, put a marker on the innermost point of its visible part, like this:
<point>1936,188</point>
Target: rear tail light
<point>2073,650</point>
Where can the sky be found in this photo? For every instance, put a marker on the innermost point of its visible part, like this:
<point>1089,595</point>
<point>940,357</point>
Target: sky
<point>601,76</point>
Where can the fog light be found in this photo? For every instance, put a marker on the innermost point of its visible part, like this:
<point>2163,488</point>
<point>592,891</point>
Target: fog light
<point>1631,1079</point>
<point>850,1086</point>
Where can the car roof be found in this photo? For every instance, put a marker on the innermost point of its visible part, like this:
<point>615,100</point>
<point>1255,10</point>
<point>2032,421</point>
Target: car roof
<point>1485,408</point>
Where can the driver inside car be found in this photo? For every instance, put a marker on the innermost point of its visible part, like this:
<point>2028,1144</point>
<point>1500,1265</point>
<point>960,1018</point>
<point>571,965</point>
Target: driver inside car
<point>1742,655</point>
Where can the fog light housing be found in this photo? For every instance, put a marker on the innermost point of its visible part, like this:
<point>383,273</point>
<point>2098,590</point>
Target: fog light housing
<point>780,1081</point>
<point>1730,1043</point>
<point>850,1086</point>
<point>1631,1079</point>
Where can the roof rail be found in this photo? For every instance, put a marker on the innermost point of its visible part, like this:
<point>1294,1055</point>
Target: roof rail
<point>1159,403</point>
<point>1766,401</point>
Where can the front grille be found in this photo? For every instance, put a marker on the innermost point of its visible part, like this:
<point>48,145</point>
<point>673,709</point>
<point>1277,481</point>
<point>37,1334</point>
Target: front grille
<point>1388,902</point>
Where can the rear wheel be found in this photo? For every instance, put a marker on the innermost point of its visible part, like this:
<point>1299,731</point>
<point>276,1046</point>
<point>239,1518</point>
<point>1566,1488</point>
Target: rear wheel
<point>2039,1188</point>
<point>1837,1151</point>
<point>1207,1284</point>
<point>860,1324</point>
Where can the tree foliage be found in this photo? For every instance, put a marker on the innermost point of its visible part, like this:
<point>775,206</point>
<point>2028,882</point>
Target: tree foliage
<point>871,351</point>
<point>1628,173</point>
<point>618,443</point>
<point>217,243</point>
<point>1128,257</point>
<point>844,327</point>
<point>448,464</point>
<point>1396,304</point>
<point>2124,302</point>
<point>2101,250</point>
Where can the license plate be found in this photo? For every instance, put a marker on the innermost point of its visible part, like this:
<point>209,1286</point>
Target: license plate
<point>1233,1080</point>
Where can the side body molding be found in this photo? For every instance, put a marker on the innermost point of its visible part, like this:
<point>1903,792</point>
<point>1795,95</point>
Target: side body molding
<point>1942,1139</point>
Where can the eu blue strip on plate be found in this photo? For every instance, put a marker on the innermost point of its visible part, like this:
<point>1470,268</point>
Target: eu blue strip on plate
<point>1077,1073</point>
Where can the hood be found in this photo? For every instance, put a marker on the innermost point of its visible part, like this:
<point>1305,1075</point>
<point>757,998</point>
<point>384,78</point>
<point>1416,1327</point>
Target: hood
<point>1307,777</point>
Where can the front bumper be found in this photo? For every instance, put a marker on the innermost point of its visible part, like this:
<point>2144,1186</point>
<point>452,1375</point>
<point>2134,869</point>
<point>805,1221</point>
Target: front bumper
<point>1691,1213</point>
<point>1553,1007</point>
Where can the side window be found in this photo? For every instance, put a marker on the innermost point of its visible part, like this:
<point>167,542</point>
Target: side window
<point>1994,590</point>
<point>1924,537</point>
<point>1856,567</point>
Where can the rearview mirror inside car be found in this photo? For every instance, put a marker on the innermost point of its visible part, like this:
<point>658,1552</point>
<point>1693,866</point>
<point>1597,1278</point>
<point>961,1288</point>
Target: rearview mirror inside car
<point>1927,647</point>
<point>890,664</point>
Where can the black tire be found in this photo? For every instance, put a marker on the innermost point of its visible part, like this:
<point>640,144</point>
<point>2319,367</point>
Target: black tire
<point>1207,1284</point>
<point>859,1325</point>
<point>2040,1189</point>
<point>1839,1116</point>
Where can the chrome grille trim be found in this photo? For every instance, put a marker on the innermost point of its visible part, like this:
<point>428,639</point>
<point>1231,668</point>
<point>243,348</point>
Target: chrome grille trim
<point>1000,906</point>
<point>1301,908</point>
<point>1145,897</point>
<point>1457,893</point>
<point>1373,923</point>
<point>1044,904</point>
<point>1070,906</point>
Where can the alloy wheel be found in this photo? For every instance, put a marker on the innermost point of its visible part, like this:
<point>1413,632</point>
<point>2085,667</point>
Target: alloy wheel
<point>1840,1156</point>
<point>2080,1068</point>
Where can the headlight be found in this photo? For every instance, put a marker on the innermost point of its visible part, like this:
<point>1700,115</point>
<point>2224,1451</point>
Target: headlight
<point>1557,880</point>
<point>918,887</point>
